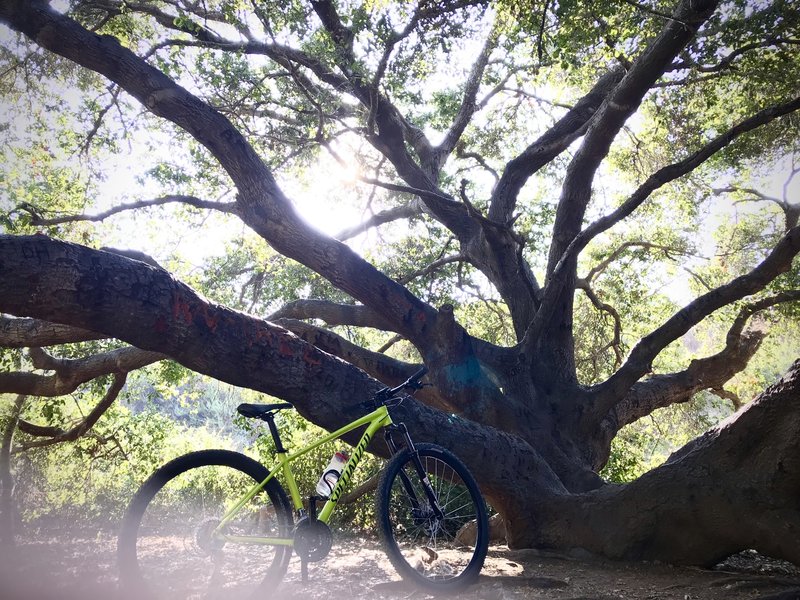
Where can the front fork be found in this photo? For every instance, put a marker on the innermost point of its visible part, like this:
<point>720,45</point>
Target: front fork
<point>423,475</point>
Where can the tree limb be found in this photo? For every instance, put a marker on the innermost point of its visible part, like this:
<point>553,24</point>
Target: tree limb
<point>741,476</point>
<point>6,476</point>
<point>552,143</point>
<point>711,372</point>
<point>640,359</point>
<point>671,173</point>
<point>620,250</point>
<point>708,373</point>
<point>148,308</point>
<point>38,220</point>
<point>260,202</point>
<point>27,333</point>
<point>357,492</point>
<point>791,211</point>
<point>384,368</point>
<point>57,436</point>
<point>468,105</point>
<point>564,268</point>
<point>404,211</point>
<point>611,116</point>
<point>614,344</point>
<point>71,373</point>
<point>728,395</point>
<point>331,313</point>
<point>726,61</point>
<point>436,264</point>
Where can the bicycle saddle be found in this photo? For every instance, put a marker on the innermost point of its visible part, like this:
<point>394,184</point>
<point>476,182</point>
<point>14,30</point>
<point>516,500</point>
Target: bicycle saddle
<point>261,411</point>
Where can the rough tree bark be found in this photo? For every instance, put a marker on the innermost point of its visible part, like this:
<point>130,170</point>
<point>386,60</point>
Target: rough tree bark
<point>534,437</point>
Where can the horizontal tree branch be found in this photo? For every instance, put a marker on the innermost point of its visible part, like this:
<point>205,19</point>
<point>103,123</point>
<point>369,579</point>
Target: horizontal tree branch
<point>726,61</point>
<point>405,211</point>
<point>146,307</point>
<point>71,373</point>
<point>27,333</point>
<point>711,372</point>
<point>384,368</point>
<point>331,313</point>
<point>652,11</point>
<point>39,220</point>
<point>791,210</point>
<point>432,267</point>
<point>620,250</point>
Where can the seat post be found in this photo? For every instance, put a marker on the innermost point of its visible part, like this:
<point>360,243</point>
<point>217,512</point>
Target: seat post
<point>270,419</point>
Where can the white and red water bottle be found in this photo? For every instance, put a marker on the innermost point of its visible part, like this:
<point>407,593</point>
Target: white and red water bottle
<point>331,474</point>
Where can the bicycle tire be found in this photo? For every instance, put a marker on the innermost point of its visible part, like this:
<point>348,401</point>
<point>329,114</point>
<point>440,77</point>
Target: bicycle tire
<point>421,548</point>
<point>166,550</point>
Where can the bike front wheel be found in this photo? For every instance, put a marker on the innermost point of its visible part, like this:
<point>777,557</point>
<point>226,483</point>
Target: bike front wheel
<point>171,545</point>
<point>440,549</point>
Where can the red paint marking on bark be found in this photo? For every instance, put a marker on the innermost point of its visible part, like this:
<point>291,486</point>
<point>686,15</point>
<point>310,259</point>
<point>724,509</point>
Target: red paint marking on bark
<point>161,325</point>
<point>181,309</point>
<point>285,347</point>
<point>212,320</point>
<point>310,357</point>
<point>258,335</point>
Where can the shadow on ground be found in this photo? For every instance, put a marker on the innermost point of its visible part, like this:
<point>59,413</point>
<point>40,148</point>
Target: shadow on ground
<point>82,566</point>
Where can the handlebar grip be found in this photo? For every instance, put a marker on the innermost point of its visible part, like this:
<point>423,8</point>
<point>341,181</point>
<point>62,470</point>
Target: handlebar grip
<point>419,374</point>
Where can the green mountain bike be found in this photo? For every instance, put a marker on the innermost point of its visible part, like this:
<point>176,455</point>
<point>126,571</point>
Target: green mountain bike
<point>215,523</point>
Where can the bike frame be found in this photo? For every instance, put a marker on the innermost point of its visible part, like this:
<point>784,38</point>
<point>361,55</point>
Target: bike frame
<point>375,421</point>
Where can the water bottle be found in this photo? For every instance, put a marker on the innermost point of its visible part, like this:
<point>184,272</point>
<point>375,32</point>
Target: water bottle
<point>331,474</point>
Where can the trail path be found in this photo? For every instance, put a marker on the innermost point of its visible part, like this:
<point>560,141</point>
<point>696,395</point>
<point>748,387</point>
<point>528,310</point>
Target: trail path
<point>68,567</point>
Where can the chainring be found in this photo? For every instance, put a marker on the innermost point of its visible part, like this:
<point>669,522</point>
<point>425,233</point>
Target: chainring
<point>312,539</point>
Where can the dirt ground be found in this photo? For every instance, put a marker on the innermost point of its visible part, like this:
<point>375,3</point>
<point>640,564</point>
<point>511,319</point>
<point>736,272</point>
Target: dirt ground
<point>65,567</point>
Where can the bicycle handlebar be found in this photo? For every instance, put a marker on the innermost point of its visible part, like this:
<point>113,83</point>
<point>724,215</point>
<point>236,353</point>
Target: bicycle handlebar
<point>411,382</point>
<point>418,375</point>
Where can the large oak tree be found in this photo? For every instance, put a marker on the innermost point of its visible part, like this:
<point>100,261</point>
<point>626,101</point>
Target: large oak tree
<point>257,89</point>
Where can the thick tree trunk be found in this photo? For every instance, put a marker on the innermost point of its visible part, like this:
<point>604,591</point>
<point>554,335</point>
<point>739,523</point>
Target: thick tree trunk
<point>734,488</point>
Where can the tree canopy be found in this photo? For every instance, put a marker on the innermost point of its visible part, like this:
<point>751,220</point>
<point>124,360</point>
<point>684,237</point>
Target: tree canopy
<point>575,214</point>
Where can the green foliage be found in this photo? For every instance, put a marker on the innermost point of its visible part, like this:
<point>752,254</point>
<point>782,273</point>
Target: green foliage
<point>250,276</point>
<point>94,477</point>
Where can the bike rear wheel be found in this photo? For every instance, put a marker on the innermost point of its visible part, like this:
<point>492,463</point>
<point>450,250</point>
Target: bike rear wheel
<point>167,547</point>
<point>436,552</point>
